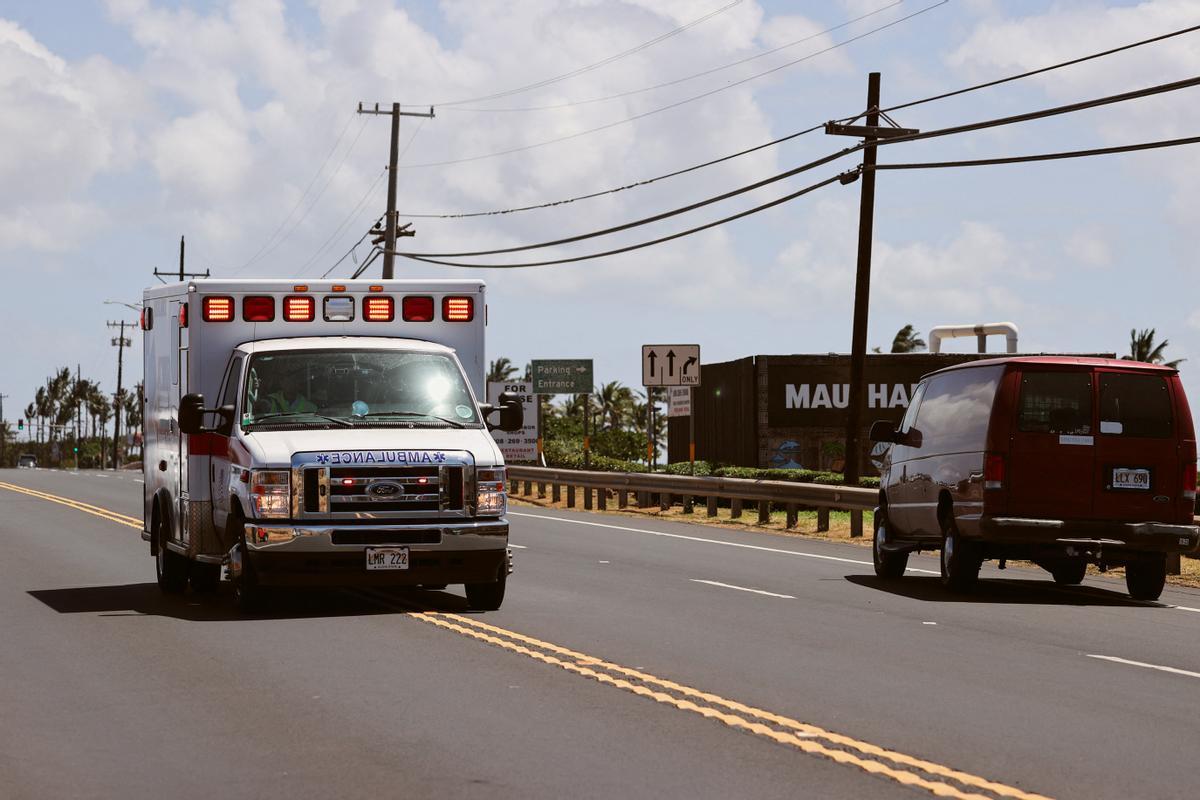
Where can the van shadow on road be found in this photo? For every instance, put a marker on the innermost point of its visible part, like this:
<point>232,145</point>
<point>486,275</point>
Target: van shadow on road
<point>145,599</point>
<point>1000,591</point>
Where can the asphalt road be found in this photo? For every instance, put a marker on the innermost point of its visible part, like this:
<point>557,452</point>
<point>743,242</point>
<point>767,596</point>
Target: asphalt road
<point>632,658</point>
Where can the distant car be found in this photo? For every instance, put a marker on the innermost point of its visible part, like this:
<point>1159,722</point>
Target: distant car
<point>1060,461</point>
<point>26,461</point>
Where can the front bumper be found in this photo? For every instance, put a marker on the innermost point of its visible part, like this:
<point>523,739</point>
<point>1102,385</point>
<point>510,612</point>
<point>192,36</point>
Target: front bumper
<point>287,554</point>
<point>1150,537</point>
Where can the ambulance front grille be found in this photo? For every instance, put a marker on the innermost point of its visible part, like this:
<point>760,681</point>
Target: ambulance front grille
<point>372,492</point>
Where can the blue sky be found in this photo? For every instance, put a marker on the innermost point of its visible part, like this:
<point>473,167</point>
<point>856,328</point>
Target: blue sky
<point>131,122</point>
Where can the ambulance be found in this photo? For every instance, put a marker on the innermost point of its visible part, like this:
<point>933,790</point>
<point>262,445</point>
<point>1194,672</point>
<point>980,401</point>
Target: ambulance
<point>323,434</point>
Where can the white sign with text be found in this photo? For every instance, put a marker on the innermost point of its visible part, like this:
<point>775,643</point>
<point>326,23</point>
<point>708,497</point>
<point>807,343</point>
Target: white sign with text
<point>517,445</point>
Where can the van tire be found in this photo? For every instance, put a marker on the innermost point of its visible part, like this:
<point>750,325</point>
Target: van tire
<point>889,565</point>
<point>205,578</point>
<point>487,596</point>
<point>1145,579</point>
<point>1069,572</point>
<point>960,560</point>
<point>170,568</point>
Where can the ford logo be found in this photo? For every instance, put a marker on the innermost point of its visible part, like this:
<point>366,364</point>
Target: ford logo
<point>384,490</point>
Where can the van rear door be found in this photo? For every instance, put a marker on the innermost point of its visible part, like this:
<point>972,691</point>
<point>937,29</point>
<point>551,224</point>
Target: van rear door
<point>1137,456</point>
<point>1052,453</point>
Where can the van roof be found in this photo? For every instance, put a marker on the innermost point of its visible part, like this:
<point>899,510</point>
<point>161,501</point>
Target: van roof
<point>1074,361</point>
<point>346,342</point>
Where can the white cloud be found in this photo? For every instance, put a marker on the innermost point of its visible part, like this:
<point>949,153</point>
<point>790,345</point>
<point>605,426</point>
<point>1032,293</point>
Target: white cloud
<point>1089,247</point>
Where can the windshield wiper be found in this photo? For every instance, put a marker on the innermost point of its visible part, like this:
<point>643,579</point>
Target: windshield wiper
<point>451,422</point>
<point>277,414</point>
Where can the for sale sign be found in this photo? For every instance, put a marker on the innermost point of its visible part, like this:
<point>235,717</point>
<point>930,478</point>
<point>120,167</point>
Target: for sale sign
<point>517,445</point>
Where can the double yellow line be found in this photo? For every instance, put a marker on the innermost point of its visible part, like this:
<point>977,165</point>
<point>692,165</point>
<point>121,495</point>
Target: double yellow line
<point>917,773</point>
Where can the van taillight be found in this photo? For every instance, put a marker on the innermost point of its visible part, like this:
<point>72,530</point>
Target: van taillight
<point>378,309</point>
<point>458,309</point>
<point>218,309</point>
<point>417,309</point>
<point>1189,479</point>
<point>993,471</point>
<point>299,308</point>
<point>258,308</point>
<point>183,315</point>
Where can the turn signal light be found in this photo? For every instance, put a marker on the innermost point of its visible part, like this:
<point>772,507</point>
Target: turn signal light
<point>299,308</point>
<point>258,308</point>
<point>458,309</point>
<point>417,309</point>
<point>993,471</point>
<point>183,315</point>
<point>218,309</point>
<point>378,309</point>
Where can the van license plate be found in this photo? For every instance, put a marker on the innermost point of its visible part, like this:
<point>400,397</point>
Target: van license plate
<point>387,558</point>
<point>1123,478</point>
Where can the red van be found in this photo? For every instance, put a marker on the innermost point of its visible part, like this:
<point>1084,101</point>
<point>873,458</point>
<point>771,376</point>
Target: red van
<point>1056,460</point>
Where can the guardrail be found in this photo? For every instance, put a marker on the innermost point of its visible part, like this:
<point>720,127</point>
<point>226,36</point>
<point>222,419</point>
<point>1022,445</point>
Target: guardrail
<point>660,490</point>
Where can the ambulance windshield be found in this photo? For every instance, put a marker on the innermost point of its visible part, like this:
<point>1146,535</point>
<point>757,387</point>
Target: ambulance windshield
<point>358,387</point>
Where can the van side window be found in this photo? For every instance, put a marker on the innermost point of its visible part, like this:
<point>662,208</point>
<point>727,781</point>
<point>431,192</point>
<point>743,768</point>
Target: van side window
<point>1055,402</point>
<point>230,392</point>
<point>956,409</point>
<point>911,414</point>
<point>1135,406</point>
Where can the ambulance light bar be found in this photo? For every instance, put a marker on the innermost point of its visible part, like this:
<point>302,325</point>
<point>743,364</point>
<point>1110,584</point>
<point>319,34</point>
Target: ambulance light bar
<point>336,308</point>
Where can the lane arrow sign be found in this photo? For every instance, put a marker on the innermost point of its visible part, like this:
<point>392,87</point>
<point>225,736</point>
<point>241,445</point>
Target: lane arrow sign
<point>691,360</point>
<point>670,362</point>
<point>653,355</point>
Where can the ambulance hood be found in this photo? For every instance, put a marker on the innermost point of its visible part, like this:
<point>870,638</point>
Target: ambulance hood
<point>275,448</point>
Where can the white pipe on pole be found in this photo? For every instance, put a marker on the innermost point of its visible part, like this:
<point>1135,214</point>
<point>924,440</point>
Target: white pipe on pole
<point>1008,329</point>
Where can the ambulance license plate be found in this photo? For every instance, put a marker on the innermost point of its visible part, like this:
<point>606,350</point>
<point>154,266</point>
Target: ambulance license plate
<point>1125,478</point>
<point>387,558</point>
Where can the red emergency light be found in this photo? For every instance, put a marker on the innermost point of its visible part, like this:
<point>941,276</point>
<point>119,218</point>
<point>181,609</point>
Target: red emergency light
<point>378,309</point>
<point>258,308</point>
<point>417,309</point>
<point>218,309</point>
<point>183,315</point>
<point>299,308</point>
<point>458,309</point>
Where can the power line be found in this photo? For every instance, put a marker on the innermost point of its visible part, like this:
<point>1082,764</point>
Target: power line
<point>352,247</point>
<point>345,221</point>
<point>974,126</point>
<point>1096,151</point>
<point>590,67</point>
<point>1039,71</point>
<point>843,177</point>
<point>686,78</point>
<point>685,101</point>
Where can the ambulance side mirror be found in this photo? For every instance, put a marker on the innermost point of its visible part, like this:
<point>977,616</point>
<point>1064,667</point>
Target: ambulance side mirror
<point>191,413</point>
<point>512,413</point>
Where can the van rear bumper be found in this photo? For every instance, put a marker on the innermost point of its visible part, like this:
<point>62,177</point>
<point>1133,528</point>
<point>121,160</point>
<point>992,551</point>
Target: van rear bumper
<point>1157,537</point>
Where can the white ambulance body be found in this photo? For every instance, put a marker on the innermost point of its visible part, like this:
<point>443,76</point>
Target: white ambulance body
<point>322,434</point>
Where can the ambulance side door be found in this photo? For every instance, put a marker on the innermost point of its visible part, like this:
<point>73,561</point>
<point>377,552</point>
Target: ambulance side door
<point>219,461</point>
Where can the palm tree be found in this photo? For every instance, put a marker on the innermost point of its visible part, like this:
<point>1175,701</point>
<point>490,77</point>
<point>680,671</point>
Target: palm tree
<point>1142,348</point>
<point>501,370</point>
<point>616,404</point>
<point>907,340</point>
<point>41,402</point>
<point>30,413</point>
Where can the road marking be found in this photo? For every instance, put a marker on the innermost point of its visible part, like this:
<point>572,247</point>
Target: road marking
<point>103,513</point>
<point>712,541</point>
<point>1159,667</point>
<point>518,546</point>
<point>938,779</point>
<point>929,623</point>
<point>1183,608</point>
<point>740,588</point>
<point>101,475</point>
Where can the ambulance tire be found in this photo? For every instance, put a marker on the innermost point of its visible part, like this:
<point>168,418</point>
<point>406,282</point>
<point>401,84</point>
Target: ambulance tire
<point>205,578</point>
<point>248,595</point>
<point>486,596</point>
<point>433,587</point>
<point>1145,580</point>
<point>170,568</point>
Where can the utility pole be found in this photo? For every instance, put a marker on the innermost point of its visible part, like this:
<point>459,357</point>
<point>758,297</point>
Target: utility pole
<point>77,404</point>
<point>120,342</point>
<point>3,433</point>
<point>870,133</point>
<point>390,232</point>
<point>182,275</point>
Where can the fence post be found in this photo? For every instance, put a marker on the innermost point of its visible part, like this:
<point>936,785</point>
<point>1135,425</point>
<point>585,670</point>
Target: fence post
<point>735,508</point>
<point>514,487</point>
<point>822,520</point>
<point>856,524</point>
<point>687,504</point>
<point>792,515</point>
<point>541,490</point>
<point>555,493</point>
<point>570,496</point>
<point>643,499</point>
<point>764,512</point>
<point>622,498</point>
<point>602,499</point>
<point>587,497</point>
<point>664,501</point>
<point>712,505</point>
<point>528,488</point>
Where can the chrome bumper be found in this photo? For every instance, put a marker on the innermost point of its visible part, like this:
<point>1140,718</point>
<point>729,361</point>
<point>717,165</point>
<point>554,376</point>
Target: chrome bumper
<point>273,537</point>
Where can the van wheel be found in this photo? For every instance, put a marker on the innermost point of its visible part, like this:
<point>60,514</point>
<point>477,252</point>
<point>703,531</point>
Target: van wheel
<point>887,564</point>
<point>1069,573</point>
<point>170,568</point>
<point>960,560</point>
<point>205,577</point>
<point>1145,579</point>
<point>486,596</point>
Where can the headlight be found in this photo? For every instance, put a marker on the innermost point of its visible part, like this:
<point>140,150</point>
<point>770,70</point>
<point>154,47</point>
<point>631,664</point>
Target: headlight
<point>491,500</point>
<point>269,492</point>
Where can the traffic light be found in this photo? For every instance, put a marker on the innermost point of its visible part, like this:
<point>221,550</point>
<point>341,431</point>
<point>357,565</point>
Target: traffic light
<point>20,424</point>
<point>75,449</point>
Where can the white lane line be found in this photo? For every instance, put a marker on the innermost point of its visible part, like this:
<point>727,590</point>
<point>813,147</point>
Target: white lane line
<point>743,589</point>
<point>712,541</point>
<point>138,480</point>
<point>929,623</point>
<point>1158,667</point>
<point>1183,608</point>
<point>101,475</point>
<point>518,546</point>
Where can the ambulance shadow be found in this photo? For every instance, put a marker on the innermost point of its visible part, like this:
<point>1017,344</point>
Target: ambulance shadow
<point>1000,591</point>
<point>145,599</point>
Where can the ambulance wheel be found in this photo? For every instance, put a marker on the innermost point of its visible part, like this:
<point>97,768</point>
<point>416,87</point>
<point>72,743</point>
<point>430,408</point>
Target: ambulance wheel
<point>486,596</point>
<point>1069,573</point>
<point>248,594</point>
<point>960,560</point>
<point>1145,579</point>
<point>204,577</point>
<point>888,564</point>
<point>170,568</point>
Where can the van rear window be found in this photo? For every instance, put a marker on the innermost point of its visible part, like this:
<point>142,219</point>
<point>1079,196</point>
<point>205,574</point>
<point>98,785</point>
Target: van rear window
<point>1056,402</point>
<point>1135,406</point>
